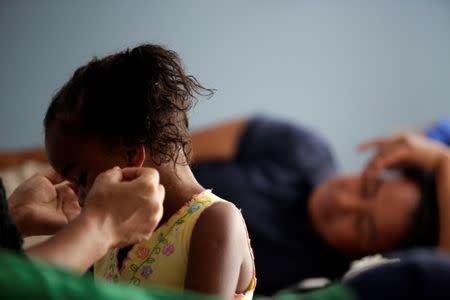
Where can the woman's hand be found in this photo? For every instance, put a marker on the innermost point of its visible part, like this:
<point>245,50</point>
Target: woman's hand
<point>402,150</point>
<point>412,150</point>
<point>123,207</point>
<point>43,204</point>
<point>128,203</point>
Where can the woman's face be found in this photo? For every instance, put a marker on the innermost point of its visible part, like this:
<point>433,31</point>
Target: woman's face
<point>80,160</point>
<point>358,223</point>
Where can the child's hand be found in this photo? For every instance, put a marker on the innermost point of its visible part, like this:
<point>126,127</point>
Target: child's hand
<point>43,204</point>
<point>128,204</point>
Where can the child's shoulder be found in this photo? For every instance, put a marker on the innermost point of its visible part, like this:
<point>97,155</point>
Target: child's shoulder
<point>207,214</point>
<point>219,212</point>
<point>220,252</point>
<point>221,222</point>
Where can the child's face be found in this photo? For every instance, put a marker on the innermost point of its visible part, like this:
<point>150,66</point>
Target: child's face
<point>80,160</point>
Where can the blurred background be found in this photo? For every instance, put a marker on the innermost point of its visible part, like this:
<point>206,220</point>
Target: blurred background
<point>351,70</point>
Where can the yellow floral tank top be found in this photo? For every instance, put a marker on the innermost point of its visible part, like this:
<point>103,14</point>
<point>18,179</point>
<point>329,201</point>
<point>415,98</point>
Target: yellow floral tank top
<point>163,259</point>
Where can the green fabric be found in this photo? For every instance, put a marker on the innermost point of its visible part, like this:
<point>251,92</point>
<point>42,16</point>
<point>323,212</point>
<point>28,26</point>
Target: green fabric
<point>334,292</point>
<point>21,278</point>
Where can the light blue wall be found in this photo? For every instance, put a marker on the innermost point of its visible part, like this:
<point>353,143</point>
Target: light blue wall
<point>350,69</point>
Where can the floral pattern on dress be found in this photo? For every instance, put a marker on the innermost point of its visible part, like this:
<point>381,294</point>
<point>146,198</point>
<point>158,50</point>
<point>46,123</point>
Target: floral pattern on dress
<point>194,207</point>
<point>168,249</point>
<point>145,268</point>
<point>146,271</point>
<point>176,231</point>
<point>142,252</point>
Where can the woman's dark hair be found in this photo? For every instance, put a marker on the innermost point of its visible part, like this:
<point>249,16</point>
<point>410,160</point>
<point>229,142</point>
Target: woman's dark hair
<point>424,230</point>
<point>137,96</point>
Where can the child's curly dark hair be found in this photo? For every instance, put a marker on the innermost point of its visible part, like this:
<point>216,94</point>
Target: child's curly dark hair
<point>137,96</point>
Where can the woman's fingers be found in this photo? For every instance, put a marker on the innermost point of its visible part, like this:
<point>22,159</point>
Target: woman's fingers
<point>68,201</point>
<point>384,143</point>
<point>396,158</point>
<point>370,175</point>
<point>51,175</point>
<point>112,175</point>
<point>131,173</point>
<point>370,144</point>
<point>140,174</point>
<point>382,160</point>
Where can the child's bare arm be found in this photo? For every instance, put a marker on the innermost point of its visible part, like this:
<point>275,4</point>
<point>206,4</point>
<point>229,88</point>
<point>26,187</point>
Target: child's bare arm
<point>219,257</point>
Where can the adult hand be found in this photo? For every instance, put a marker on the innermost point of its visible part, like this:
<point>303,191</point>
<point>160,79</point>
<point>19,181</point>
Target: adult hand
<point>122,207</point>
<point>43,204</point>
<point>402,150</point>
<point>128,203</point>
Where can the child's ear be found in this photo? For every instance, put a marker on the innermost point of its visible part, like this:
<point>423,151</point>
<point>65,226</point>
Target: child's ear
<point>136,156</point>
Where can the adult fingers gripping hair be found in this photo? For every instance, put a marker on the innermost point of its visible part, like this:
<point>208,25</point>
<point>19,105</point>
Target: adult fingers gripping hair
<point>43,204</point>
<point>105,222</point>
<point>51,175</point>
<point>135,221</point>
<point>147,182</point>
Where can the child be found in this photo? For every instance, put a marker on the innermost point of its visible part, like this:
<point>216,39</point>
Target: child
<point>130,109</point>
